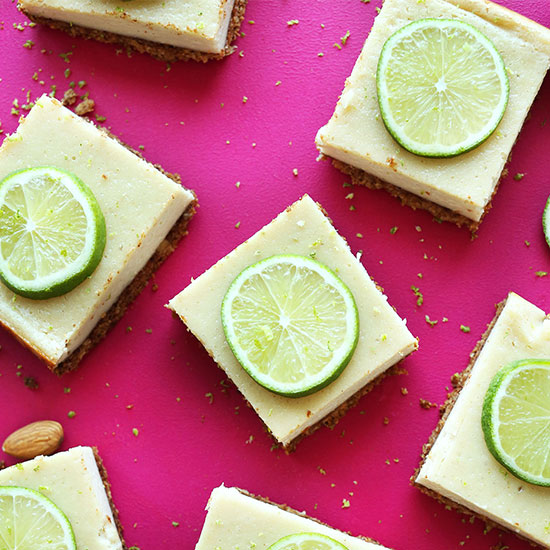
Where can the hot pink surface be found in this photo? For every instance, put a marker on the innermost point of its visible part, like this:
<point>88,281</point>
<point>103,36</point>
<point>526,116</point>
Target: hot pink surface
<point>193,433</point>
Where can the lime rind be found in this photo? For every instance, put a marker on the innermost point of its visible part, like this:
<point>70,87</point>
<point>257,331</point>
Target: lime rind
<point>490,418</point>
<point>296,542</point>
<point>66,279</point>
<point>439,150</point>
<point>340,358</point>
<point>546,221</point>
<point>49,529</point>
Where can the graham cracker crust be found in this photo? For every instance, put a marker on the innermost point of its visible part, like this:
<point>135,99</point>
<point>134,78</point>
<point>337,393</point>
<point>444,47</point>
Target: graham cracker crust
<point>360,177</point>
<point>333,417</point>
<point>107,485</point>
<point>458,381</point>
<point>287,508</point>
<point>163,52</point>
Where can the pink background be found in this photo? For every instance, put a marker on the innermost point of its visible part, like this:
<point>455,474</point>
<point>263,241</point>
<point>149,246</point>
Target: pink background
<point>191,118</point>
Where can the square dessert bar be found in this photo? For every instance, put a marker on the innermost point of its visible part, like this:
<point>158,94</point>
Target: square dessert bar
<point>384,339</point>
<point>237,519</point>
<point>169,30</point>
<point>457,189</point>
<point>61,330</point>
<point>76,481</point>
<point>457,467</point>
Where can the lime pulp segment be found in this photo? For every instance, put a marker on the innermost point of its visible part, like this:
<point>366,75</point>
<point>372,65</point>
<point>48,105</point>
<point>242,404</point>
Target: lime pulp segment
<point>31,521</point>
<point>291,323</point>
<point>546,221</point>
<point>516,419</point>
<point>442,87</point>
<point>52,232</point>
<point>307,541</point>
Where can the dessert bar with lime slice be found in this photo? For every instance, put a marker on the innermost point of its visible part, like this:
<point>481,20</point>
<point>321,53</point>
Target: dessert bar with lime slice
<point>237,519</point>
<point>492,441</point>
<point>61,501</point>
<point>301,230</point>
<point>442,100</point>
<point>54,149</point>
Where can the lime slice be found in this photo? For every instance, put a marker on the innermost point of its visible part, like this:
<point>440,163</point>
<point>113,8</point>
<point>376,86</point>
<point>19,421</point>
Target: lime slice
<point>516,419</point>
<point>307,541</point>
<point>30,521</point>
<point>546,221</point>
<point>291,323</point>
<point>52,232</point>
<point>442,87</point>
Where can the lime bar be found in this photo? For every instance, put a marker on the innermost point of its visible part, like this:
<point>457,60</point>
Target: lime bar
<point>236,519</point>
<point>76,482</point>
<point>546,221</point>
<point>458,468</point>
<point>384,339</point>
<point>460,188</point>
<point>169,30</point>
<point>123,184</point>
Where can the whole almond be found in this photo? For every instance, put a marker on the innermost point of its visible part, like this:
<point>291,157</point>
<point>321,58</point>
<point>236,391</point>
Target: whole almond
<point>38,438</point>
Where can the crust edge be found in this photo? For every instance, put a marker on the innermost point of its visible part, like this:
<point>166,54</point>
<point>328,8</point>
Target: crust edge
<point>107,486</point>
<point>360,177</point>
<point>129,294</point>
